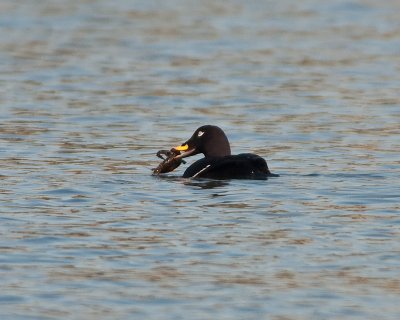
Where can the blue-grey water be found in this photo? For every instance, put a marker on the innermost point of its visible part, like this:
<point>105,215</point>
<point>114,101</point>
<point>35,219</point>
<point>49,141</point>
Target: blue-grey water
<point>90,90</point>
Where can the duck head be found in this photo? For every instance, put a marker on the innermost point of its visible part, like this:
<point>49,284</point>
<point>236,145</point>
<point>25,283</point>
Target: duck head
<point>208,140</point>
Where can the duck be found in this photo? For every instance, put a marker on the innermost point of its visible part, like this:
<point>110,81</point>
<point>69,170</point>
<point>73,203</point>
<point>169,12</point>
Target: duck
<point>218,162</point>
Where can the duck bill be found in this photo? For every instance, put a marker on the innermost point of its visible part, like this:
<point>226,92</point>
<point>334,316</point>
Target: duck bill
<point>186,151</point>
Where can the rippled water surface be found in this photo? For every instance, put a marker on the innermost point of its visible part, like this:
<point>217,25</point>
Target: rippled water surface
<point>90,90</point>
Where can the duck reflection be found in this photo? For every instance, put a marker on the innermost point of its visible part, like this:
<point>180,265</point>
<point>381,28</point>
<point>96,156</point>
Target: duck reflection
<point>200,183</point>
<point>206,183</point>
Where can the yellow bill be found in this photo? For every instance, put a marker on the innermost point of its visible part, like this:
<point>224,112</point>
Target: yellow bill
<point>182,148</point>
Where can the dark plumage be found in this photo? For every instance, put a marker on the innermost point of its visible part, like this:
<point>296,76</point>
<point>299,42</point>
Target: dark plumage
<point>218,163</point>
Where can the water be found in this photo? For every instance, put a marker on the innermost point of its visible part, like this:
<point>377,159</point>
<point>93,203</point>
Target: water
<point>90,90</point>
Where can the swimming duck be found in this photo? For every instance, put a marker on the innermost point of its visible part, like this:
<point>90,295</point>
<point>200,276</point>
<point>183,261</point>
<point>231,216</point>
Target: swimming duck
<point>218,163</point>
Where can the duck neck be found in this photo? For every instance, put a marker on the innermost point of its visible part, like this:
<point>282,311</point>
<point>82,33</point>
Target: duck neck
<point>218,148</point>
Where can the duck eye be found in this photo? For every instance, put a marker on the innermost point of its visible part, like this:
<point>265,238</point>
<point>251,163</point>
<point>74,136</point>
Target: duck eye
<point>200,133</point>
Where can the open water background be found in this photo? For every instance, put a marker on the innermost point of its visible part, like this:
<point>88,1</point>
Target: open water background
<point>91,89</point>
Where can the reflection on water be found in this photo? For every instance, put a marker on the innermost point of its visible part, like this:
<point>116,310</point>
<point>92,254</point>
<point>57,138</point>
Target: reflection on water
<point>90,90</point>
<point>207,184</point>
<point>199,183</point>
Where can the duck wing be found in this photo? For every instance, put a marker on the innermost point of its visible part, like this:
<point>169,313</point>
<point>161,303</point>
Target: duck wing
<point>241,166</point>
